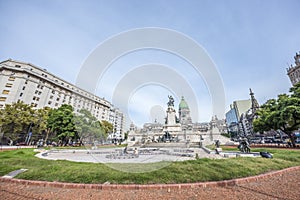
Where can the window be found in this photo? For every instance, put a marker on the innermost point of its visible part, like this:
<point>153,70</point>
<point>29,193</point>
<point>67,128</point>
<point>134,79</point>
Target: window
<point>18,66</point>
<point>23,88</point>
<point>26,82</point>
<point>11,78</point>
<point>51,97</point>
<point>8,85</point>
<point>2,98</point>
<point>40,92</point>
<point>49,102</point>
<point>5,92</point>
<point>56,104</point>
<point>21,94</point>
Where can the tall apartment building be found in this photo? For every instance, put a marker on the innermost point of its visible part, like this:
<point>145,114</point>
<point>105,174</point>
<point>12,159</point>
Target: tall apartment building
<point>39,88</point>
<point>117,119</point>
<point>240,117</point>
<point>294,71</point>
<point>241,106</point>
<point>235,116</point>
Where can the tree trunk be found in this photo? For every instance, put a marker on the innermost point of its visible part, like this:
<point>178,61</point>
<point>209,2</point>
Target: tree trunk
<point>47,134</point>
<point>292,138</point>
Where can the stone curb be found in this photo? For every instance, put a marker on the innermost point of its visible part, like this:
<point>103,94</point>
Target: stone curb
<point>211,184</point>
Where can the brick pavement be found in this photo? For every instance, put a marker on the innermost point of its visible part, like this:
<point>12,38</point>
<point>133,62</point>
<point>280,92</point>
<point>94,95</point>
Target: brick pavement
<point>282,184</point>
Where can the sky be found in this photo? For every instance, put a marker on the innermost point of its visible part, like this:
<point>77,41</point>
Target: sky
<point>250,42</point>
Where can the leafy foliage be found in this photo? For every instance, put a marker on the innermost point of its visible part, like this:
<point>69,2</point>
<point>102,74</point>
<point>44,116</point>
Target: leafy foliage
<point>88,128</point>
<point>107,126</point>
<point>61,122</point>
<point>18,119</point>
<point>40,122</point>
<point>282,113</point>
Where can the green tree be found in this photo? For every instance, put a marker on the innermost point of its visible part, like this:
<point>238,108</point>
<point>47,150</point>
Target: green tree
<point>282,114</point>
<point>107,126</point>
<point>126,135</point>
<point>16,120</point>
<point>41,122</point>
<point>61,122</point>
<point>88,128</point>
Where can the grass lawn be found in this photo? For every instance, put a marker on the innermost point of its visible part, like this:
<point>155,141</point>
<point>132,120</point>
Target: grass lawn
<point>177,172</point>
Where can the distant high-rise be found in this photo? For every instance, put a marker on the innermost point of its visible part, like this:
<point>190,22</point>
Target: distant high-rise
<point>241,106</point>
<point>294,71</point>
<point>239,117</point>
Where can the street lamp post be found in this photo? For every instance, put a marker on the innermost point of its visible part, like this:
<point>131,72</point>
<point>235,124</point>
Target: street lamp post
<point>2,135</point>
<point>29,133</point>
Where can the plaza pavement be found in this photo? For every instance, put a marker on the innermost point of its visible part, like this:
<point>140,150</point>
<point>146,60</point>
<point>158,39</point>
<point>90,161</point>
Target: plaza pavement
<point>100,155</point>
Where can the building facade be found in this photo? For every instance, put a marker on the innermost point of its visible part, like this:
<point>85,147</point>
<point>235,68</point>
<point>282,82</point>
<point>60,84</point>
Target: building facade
<point>232,121</point>
<point>184,113</point>
<point>239,118</point>
<point>241,106</point>
<point>118,121</point>
<point>181,131</point>
<point>294,71</point>
<point>37,87</point>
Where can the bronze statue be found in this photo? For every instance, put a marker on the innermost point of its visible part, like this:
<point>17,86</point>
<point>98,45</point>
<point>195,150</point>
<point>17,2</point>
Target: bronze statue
<point>171,101</point>
<point>244,146</point>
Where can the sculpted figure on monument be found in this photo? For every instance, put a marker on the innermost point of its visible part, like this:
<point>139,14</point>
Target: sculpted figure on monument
<point>244,146</point>
<point>171,101</point>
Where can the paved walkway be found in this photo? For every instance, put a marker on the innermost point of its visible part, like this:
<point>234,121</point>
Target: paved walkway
<point>100,155</point>
<point>285,186</point>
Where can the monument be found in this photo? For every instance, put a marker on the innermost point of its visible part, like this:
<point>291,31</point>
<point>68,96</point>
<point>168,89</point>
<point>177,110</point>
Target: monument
<point>172,125</point>
<point>178,131</point>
